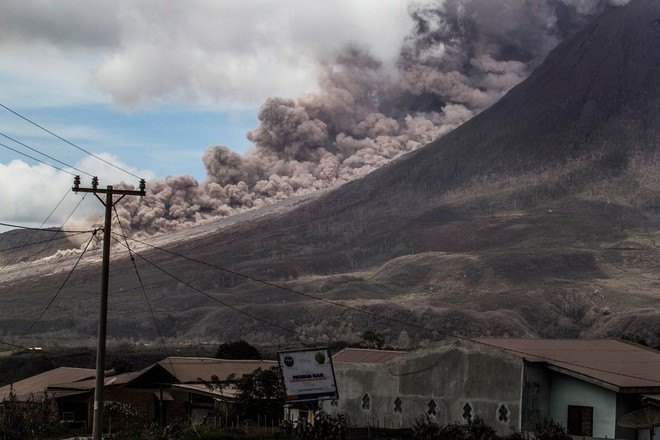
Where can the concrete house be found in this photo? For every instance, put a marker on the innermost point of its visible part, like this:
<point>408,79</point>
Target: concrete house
<point>586,385</point>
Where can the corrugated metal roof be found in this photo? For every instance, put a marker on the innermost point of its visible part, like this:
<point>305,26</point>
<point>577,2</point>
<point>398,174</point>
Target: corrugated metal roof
<point>366,356</point>
<point>612,361</point>
<point>36,385</point>
<point>90,384</point>
<point>194,369</point>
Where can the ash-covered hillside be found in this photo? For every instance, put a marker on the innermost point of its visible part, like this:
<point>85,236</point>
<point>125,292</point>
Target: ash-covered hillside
<point>538,216</point>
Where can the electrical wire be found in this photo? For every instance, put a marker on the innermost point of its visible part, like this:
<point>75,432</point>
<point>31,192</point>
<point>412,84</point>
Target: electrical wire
<point>68,142</point>
<point>454,336</point>
<point>58,290</point>
<point>219,301</point>
<point>144,292</point>
<point>44,154</point>
<point>57,231</point>
<point>32,258</point>
<point>383,317</point>
<point>34,243</point>
<point>42,224</point>
<point>34,158</point>
<point>289,290</point>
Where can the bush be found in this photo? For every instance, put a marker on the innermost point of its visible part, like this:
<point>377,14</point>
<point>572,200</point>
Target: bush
<point>325,427</point>
<point>35,417</point>
<point>474,429</point>
<point>548,429</point>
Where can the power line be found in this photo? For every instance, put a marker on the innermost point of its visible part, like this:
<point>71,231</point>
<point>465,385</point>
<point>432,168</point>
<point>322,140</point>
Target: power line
<point>42,224</point>
<point>144,290</point>
<point>287,289</point>
<point>362,311</point>
<point>34,158</point>
<point>58,290</point>
<point>44,154</point>
<point>68,142</point>
<point>229,306</point>
<point>51,238</point>
<point>57,231</point>
<point>34,243</point>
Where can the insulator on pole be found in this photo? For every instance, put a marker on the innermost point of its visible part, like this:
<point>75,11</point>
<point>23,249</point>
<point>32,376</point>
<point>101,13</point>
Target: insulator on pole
<point>95,182</point>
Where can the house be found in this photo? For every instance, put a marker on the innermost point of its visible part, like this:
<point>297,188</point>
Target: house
<point>35,390</point>
<point>175,388</point>
<point>587,385</point>
<point>35,387</point>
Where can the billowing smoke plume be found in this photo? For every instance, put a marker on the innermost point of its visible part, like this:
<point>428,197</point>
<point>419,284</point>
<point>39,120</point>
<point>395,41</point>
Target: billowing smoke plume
<point>461,57</point>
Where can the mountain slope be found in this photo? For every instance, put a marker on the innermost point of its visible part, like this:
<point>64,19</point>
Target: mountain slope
<point>537,217</point>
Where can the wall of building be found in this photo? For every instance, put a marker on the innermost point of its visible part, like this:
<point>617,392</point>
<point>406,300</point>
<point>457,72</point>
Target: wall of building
<point>145,402</point>
<point>535,397</point>
<point>566,390</point>
<point>447,383</point>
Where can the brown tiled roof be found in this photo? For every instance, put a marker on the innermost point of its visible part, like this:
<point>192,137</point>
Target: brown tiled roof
<point>36,385</point>
<point>613,361</point>
<point>366,356</point>
<point>192,369</point>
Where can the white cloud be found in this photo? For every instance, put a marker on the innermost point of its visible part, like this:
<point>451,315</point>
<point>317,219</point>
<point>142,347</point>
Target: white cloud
<point>144,53</point>
<point>31,192</point>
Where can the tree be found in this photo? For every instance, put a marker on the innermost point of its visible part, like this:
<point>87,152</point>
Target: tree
<point>372,339</point>
<point>237,350</point>
<point>261,393</point>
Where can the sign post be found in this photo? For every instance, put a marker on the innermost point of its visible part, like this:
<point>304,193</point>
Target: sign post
<point>307,374</point>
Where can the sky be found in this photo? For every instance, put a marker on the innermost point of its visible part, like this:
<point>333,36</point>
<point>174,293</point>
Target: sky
<point>151,84</point>
<point>226,105</point>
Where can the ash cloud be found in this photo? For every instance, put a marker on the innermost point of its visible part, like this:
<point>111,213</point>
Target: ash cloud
<point>460,58</point>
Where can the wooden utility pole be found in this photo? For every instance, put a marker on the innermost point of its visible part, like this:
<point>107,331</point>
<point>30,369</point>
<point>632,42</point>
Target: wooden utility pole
<point>105,276</point>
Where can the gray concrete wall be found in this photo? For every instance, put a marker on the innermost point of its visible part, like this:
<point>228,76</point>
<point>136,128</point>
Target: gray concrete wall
<point>536,396</point>
<point>452,375</point>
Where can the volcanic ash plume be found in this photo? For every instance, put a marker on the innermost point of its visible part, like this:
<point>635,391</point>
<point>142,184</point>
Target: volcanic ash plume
<point>460,58</point>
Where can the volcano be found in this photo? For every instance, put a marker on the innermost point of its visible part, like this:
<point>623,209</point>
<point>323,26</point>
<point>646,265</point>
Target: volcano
<point>538,217</point>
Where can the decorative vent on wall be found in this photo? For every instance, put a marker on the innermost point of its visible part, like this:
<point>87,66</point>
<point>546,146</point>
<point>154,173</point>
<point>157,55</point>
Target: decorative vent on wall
<point>503,414</point>
<point>467,412</point>
<point>366,402</point>
<point>397,405</point>
<point>432,408</point>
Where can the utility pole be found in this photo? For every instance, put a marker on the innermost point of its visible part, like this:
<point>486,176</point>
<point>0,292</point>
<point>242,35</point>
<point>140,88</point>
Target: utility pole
<point>105,276</point>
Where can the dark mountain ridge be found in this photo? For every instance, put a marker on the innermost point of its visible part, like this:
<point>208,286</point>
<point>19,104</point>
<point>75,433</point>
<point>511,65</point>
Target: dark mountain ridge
<point>537,217</point>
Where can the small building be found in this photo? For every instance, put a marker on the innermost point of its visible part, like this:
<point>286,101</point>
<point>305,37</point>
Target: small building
<point>587,385</point>
<point>176,388</point>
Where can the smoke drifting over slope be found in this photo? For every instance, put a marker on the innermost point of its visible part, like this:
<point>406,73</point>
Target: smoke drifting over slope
<point>462,56</point>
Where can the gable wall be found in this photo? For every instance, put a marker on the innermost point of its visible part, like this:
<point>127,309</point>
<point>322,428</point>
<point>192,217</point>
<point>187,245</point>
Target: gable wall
<point>451,376</point>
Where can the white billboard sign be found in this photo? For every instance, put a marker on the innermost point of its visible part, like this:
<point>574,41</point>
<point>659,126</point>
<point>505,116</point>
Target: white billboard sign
<point>308,374</point>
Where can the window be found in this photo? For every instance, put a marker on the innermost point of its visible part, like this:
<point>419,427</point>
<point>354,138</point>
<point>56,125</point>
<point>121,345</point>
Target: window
<point>580,420</point>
